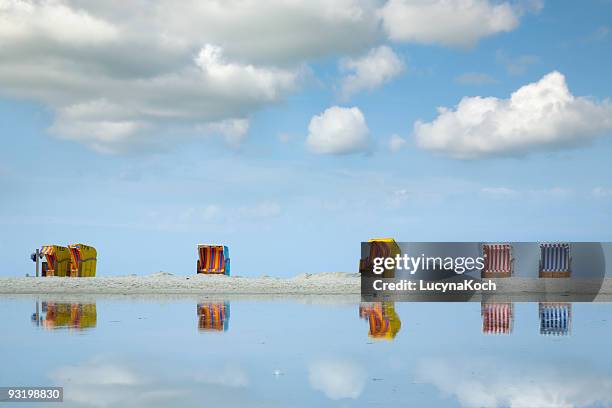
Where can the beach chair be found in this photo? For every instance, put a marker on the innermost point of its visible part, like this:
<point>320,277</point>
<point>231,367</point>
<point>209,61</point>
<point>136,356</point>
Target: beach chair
<point>555,319</point>
<point>498,261</point>
<point>379,248</point>
<point>555,260</point>
<point>213,259</point>
<point>57,260</point>
<point>497,318</point>
<point>83,260</point>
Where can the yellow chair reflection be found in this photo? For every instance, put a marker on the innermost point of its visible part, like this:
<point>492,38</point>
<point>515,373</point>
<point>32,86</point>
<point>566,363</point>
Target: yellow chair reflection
<point>57,315</point>
<point>382,318</point>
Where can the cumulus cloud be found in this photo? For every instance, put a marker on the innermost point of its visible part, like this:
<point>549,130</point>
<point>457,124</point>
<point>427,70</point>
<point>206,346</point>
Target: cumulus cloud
<point>25,22</point>
<point>540,115</point>
<point>337,379</point>
<point>122,76</point>
<point>146,74</point>
<point>338,130</point>
<point>479,382</point>
<point>207,95</point>
<point>379,66</point>
<point>447,22</point>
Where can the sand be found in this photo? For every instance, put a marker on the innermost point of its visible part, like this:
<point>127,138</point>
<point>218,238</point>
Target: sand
<point>331,283</point>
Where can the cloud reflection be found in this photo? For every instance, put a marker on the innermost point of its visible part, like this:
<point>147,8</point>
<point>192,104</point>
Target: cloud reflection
<point>337,379</point>
<point>105,384</point>
<point>481,382</point>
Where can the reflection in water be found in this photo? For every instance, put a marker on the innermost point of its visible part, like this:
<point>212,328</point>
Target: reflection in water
<point>56,315</point>
<point>478,381</point>
<point>337,378</point>
<point>497,318</point>
<point>383,319</point>
<point>555,318</point>
<point>213,316</point>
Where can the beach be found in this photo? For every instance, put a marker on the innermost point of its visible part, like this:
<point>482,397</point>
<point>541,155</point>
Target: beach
<point>331,283</point>
<point>325,284</point>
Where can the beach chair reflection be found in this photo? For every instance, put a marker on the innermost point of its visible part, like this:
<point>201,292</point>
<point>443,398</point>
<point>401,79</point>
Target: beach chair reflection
<point>497,318</point>
<point>213,316</point>
<point>58,315</point>
<point>383,320</point>
<point>555,319</point>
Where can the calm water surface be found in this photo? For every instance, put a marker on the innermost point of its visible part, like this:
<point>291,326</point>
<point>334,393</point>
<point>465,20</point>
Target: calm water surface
<point>185,353</point>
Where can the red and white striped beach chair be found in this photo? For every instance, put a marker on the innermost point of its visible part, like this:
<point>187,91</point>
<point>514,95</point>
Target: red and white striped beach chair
<point>498,261</point>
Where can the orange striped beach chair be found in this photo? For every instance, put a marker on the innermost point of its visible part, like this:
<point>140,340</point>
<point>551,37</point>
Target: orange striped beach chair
<point>213,259</point>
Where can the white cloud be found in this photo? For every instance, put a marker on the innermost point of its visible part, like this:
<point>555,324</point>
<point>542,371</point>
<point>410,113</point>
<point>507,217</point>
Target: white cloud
<point>396,143</point>
<point>207,95</point>
<point>146,74</point>
<point>337,379</point>
<point>540,115</point>
<point>234,131</point>
<point>338,131</point>
<point>479,382</point>
<point>379,66</point>
<point>26,21</point>
<point>131,76</point>
<point>447,22</point>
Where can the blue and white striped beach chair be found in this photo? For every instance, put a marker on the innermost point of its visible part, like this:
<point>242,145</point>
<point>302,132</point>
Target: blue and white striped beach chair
<point>555,260</point>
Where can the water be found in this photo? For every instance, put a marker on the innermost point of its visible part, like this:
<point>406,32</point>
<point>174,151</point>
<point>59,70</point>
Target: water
<point>110,352</point>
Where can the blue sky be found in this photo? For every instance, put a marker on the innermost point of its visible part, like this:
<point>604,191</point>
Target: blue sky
<point>112,137</point>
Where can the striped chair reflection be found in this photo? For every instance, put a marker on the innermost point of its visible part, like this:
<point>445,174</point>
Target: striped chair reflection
<point>555,260</point>
<point>497,318</point>
<point>498,260</point>
<point>383,320</point>
<point>555,318</point>
<point>77,316</point>
<point>213,316</point>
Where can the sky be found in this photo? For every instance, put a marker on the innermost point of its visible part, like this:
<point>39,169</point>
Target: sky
<point>291,131</point>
